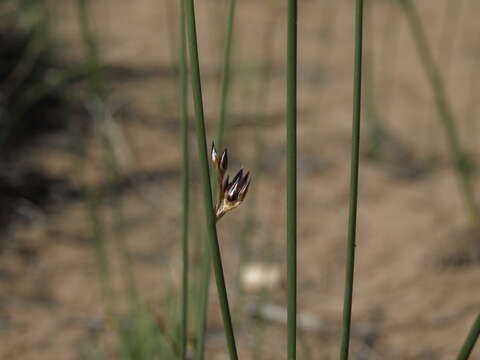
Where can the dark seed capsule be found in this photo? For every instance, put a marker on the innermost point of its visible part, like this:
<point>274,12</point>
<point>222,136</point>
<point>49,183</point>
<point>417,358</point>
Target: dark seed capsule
<point>232,194</point>
<point>238,176</point>
<point>224,160</point>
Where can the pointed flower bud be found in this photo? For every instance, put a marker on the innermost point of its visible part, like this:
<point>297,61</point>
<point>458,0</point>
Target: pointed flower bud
<point>214,154</point>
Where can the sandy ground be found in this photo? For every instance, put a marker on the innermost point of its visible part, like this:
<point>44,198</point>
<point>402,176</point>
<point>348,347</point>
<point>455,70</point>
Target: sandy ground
<point>416,290</point>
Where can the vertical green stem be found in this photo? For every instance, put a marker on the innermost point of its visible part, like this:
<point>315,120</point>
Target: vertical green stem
<point>182,73</point>
<point>292,179</point>
<point>225,82</point>
<point>97,97</point>
<point>389,59</point>
<point>470,341</point>
<point>208,201</point>
<point>445,112</point>
<point>88,39</point>
<point>259,98</point>
<point>203,308</point>
<point>101,256</point>
<point>352,216</point>
<point>91,193</point>
<point>373,126</point>
<point>170,29</point>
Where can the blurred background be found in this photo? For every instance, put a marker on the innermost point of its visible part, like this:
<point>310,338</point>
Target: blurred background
<point>90,178</point>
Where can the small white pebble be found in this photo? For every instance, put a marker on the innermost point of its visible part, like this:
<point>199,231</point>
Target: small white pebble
<point>258,276</point>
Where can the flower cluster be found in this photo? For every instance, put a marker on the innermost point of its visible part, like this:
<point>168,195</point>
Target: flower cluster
<point>230,194</point>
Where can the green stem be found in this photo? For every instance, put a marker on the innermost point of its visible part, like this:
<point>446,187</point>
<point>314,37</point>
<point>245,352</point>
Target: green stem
<point>92,194</point>
<point>224,91</point>
<point>389,60</point>
<point>225,81</point>
<point>374,129</point>
<point>182,72</point>
<point>444,109</point>
<point>259,97</point>
<point>207,190</point>
<point>92,64</point>
<point>352,216</point>
<point>292,179</point>
<point>203,306</point>
<point>171,32</point>
<point>101,119</point>
<point>470,341</point>
<point>101,257</point>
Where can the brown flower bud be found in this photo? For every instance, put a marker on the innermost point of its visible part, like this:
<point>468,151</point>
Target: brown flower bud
<point>229,194</point>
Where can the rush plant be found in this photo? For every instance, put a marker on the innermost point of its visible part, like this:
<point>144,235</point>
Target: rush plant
<point>210,213</point>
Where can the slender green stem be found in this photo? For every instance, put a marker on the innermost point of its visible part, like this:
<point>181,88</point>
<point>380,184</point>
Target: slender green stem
<point>374,129</point>
<point>247,233</point>
<point>93,195</point>
<point>470,341</point>
<point>292,179</point>
<point>224,91</point>
<point>445,112</point>
<point>207,190</point>
<point>259,99</point>
<point>352,216</point>
<point>329,21</point>
<point>389,59</point>
<point>97,96</point>
<point>101,257</point>
<point>170,29</point>
<point>225,82</point>
<point>88,38</point>
<point>203,308</point>
<point>182,72</point>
